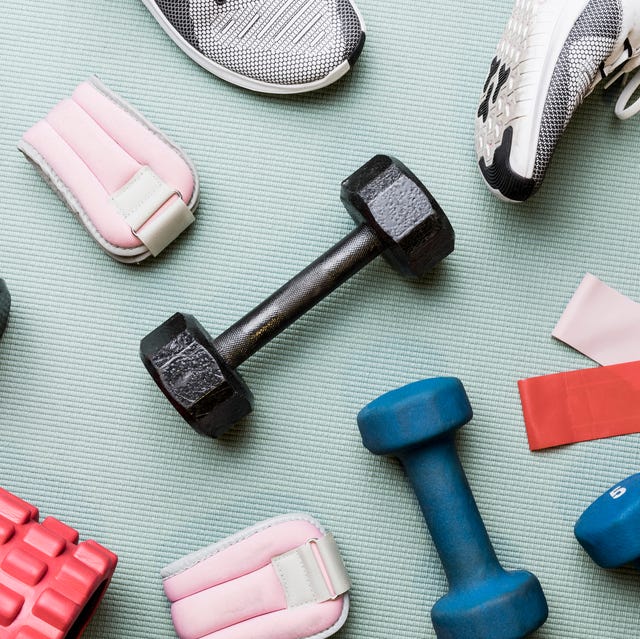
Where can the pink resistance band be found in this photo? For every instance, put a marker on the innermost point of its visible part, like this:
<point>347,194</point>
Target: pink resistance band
<point>594,403</point>
<point>581,405</point>
<point>601,323</point>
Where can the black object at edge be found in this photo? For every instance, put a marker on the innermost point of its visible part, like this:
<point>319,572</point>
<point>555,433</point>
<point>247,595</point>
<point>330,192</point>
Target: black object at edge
<point>358,50</point>
<point>5,306</point>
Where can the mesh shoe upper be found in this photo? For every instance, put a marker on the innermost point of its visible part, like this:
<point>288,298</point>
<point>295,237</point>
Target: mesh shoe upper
<point>550,58</point>
<point>590,42</point>
<point>281,42</point>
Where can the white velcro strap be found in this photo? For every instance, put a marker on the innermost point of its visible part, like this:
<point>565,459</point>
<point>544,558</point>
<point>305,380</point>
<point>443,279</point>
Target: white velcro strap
<point>141,198</point>
<point>312,573</point>
<point>158,233</point>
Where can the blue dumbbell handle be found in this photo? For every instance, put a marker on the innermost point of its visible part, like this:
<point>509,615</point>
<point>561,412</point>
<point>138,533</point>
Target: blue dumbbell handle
<point>451,513</point>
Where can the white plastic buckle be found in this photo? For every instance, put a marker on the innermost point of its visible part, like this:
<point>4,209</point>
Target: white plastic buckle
<point>312,573</point>
<point>141,198</point>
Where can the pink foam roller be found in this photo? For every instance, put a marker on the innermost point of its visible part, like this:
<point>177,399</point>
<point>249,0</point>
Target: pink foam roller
<point>50,583</point>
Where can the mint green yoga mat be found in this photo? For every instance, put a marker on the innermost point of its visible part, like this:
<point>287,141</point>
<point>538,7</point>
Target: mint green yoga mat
<point>86,435</point>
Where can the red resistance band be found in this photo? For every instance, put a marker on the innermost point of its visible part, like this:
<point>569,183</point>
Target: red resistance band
<point>581,405</point>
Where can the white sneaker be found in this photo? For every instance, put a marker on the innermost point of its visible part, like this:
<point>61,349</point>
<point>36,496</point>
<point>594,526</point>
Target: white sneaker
<point>551,56</point>
<point>272,46</point>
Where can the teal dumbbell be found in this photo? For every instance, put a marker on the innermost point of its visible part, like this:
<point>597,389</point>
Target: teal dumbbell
<point>5,305</point>
<point>609,530</point>
<point>417,424</point>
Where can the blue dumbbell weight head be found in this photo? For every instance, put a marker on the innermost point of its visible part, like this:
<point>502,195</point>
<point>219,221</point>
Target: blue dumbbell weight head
<point>609,530</point>
<point>417,424</point>
<point>5,305</point>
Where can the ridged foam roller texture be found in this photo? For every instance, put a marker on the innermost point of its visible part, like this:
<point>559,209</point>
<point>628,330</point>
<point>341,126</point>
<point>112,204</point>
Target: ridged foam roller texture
<point>50,583</point>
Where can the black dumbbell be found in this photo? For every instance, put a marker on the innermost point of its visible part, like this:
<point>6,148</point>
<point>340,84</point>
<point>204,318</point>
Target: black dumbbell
<point>5,306</point>
<point>397,217</point>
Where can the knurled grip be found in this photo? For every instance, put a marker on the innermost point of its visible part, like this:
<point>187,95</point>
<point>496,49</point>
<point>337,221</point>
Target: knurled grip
<point>50,585</point>
<point>258,327</point>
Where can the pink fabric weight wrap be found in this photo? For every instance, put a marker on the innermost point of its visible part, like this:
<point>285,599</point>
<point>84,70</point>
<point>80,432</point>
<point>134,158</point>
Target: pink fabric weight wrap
<point>94,150</point>
<point>236,588</point>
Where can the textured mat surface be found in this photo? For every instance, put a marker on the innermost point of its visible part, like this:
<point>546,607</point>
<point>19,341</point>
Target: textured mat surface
<point>86,435</point>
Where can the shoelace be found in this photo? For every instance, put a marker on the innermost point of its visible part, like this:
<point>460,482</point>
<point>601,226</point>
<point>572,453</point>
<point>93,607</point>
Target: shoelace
<point>628,63</point>
<point>623,110</point>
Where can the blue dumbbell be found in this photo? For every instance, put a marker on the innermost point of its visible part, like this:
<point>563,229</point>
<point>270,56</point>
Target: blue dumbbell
<point>5,305</point>
<point>417,424</point>
<point>609,530</point>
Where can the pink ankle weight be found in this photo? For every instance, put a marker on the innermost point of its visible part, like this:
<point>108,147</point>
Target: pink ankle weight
<point>129,185</point>
<point>281,579</point>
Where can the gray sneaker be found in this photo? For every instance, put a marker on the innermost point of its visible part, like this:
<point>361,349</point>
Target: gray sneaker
<point>552,55</point>
<point>272,46</point>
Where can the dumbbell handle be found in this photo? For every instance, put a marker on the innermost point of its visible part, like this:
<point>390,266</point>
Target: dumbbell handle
<point>451,513</point>
<point>296,297</point>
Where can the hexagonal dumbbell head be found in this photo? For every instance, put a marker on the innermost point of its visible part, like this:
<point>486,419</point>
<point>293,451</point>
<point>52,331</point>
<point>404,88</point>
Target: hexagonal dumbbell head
<point>182,360</point>
<point>391,200</point>
<point>5,305</point>
<point>609,530</point>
